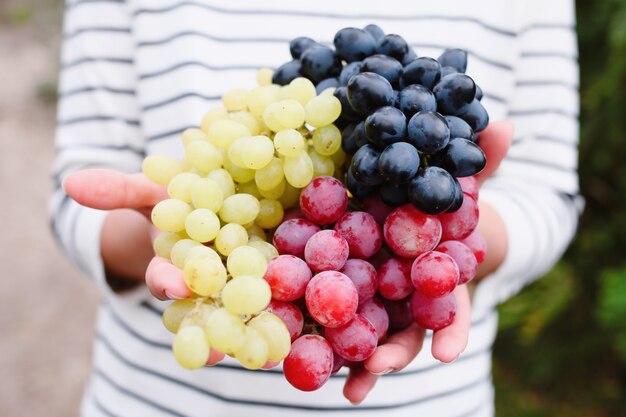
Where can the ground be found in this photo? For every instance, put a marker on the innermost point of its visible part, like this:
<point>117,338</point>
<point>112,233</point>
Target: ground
<point>48,308</point>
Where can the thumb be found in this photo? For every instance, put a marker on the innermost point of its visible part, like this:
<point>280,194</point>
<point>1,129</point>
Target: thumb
<point>106,189</point>
<point>495,141</point>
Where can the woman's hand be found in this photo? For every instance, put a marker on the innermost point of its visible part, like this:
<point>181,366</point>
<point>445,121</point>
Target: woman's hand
<point>127,233</point>
<point>448,343</point>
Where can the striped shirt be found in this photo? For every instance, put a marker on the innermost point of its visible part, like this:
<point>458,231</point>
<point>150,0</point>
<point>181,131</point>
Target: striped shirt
<point>136,73</point>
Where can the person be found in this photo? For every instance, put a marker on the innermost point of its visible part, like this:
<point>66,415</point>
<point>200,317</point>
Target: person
<point>136,73</point>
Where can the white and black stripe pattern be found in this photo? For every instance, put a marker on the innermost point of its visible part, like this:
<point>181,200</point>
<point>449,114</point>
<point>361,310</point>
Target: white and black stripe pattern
<point>136,73</point>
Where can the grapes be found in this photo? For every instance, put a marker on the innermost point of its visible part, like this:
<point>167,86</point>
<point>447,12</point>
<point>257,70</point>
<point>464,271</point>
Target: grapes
<point>434,274</point>
<point>355,340</point>
<point>363,234</point>
<point>288,277</point>
<point>324,200</point>
<point>326,250</point>
<point>353,44</point>
<point>271,163</point>
<point>409,232</point>
<point>309,363</point>
<point>433,313</point>
<point>331,298</point>
<point>368,91</point>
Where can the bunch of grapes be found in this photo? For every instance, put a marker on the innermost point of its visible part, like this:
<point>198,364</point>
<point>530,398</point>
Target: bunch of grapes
<point>349,279</point>
<point>240,172</point>
<point>409,121</point>
<point>349,264</point>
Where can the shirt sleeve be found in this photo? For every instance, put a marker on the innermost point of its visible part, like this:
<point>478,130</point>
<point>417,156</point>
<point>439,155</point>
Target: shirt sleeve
<point>535,190</point>
<point>97,121</point>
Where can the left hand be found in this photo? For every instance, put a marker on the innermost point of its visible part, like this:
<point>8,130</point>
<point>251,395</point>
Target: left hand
<point>449,342</point>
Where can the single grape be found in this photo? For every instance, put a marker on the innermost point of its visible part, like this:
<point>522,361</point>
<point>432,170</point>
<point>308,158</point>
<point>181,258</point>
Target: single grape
<point>288,277</point>
<point>161,168</point>
<point>246,295</point>
<point>287,72</point>
<point>190,347</point>
<point>322,165</point>
<point>298,170</point>
<point>319,62</point>
<point>363,234</point>
<point>224,132</point>
<point>211,116</point>
<point>454,93</point>
<point>298,45</point>
<point>246,260</point>
<point>175,313</point>
<point>394,278</point>
<point>324,200</point>
<point>355,340</point>
<point>469,185</point>
<point>322,110</point>
<point>385,66</point>
<point>353,44</point>
<point>180,186</point>
<point>409,232</point>
<point>224,180</point>
<point>374,311</point>
<point>461,158</point>
<point>385,126</point>
<point>202,225</point>
<point>428,131</point>
<point>399,163</point>
<point>453,57</point>
<point>192,134</point>
<point>239,208</point>
<point>327,140</point>
<point>477,243</point>
<point>301,89</point>
<point>434,274</point>
<point>363,275</point>
<point>284,114</point>
<point>257,152</point>
<point>393,45</point>
<point>204,275</point>
<point>433,313</point>
<point>464,258</point>
<point>292,235</point>
<point>229,237</point>
<point>424,71</point>
<point>235,99</point>
<point>365,164</point>
<point>163,244</point>
<point>368,91</point>
<point>374,30</point>
<point>264,76</point>
<point>207,193</point>
<point>459,128</point>
<point>326,250</point>
<point>461,223</point>
<point>309,363</point>
<point>415,98</point>
<point>432,190</point>
<point>399,313</point>
<point>271,175</point>
<point>169,215</point>
<point>179,251</point>
<point>475,115</point>
<point>331,298</point>
<point>289,142</point>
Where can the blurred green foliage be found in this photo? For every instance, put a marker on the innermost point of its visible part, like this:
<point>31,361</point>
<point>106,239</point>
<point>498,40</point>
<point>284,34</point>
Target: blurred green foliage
<point>561,350</point>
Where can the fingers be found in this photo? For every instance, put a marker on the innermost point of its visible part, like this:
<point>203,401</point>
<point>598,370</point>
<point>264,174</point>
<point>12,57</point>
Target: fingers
<point>214,357</point>
<point>359,383</point>
<point>397,352</point>
<point>270,364</point>
<point>106,189</point>
<point>495,141</point>
<point>450,342</point>
<point>165,281</point>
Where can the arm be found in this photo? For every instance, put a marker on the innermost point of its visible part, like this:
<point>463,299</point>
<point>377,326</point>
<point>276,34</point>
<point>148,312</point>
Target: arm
<point>98,127</point>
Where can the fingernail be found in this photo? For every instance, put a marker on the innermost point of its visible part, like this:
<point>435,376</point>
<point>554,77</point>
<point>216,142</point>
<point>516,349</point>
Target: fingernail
<point>355,402</point>
<point>386,371</point>
<point>171,296</point>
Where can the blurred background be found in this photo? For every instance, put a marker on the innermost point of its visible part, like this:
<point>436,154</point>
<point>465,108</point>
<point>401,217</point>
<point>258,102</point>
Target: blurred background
<point>561,349</point>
